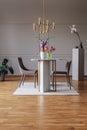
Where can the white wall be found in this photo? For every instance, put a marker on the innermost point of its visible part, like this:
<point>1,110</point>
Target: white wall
<point>20,40</point>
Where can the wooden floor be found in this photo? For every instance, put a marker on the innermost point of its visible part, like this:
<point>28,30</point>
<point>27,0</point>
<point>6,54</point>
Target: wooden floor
<point>42,112</point>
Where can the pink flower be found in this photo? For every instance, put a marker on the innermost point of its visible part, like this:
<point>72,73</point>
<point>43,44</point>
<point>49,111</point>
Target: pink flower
<point>51,49</point>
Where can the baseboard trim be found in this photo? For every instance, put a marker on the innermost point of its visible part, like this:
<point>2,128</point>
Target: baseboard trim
<point>17,77</point>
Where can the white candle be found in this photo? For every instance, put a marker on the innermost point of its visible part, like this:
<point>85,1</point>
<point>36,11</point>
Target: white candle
<point>39,20</point>
<point>43,28</point>
<point>40,30</point>
<point>47,28</point>
<point>34,26</point>
<point>47,22</point>
<point>53,25</point>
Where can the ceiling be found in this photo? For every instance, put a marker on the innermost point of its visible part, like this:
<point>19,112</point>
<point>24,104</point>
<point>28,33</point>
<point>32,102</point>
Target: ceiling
<point>27,11</point>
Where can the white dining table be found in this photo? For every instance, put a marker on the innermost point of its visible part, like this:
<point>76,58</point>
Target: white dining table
<point>44,68</point>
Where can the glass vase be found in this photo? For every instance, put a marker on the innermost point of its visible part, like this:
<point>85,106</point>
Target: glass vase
<point>49,55</point>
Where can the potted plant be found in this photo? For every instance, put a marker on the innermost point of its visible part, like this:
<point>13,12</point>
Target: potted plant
<point>4,69</point>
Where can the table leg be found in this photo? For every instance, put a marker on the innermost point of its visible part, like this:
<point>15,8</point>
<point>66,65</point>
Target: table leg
<point>54,70</point>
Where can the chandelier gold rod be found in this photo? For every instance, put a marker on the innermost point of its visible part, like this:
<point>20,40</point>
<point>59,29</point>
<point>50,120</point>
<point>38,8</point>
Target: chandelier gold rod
<point>43,10</point>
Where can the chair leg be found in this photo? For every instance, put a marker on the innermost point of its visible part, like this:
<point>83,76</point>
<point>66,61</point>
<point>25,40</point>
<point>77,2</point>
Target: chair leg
<point>21,80</point>
<point>36,76</point>
<point>68,80</point>
<point>54,81</point>
<point>35,79</point>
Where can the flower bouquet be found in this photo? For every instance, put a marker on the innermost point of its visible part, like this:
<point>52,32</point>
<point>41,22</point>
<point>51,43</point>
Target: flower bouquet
<point>45,51</point>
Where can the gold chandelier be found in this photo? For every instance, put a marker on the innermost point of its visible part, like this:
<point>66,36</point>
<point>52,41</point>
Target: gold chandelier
<point>43,25</point>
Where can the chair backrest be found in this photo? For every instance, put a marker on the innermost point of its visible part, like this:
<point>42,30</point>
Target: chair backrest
<point>68,65</point>
<point>21,65</point>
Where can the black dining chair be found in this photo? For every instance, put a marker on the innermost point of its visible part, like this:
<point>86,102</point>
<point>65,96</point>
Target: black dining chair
<point>65,72</point>
<point>25,71</point>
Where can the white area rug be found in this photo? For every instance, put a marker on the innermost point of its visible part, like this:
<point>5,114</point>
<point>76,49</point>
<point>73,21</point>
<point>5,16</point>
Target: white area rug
<point>28,89</point>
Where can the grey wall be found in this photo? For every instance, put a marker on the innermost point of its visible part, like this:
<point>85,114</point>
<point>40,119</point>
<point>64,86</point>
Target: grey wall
<point>18,39</point>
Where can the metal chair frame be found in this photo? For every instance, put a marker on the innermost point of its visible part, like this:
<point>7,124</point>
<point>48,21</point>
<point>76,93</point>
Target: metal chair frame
<point>66,72</point>
<point>24,71</point>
